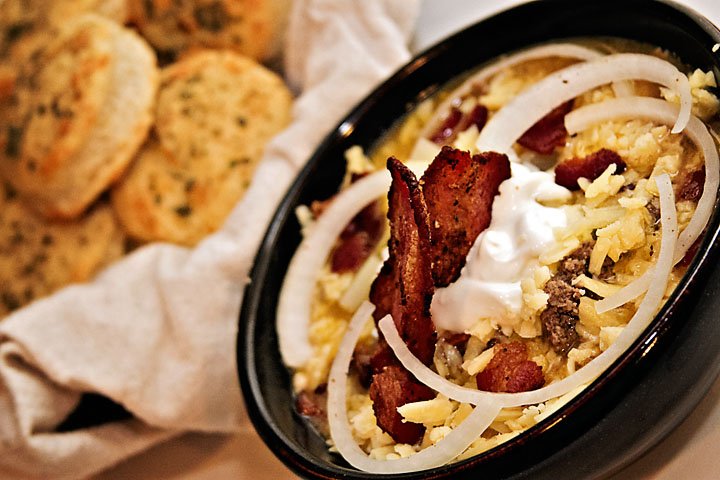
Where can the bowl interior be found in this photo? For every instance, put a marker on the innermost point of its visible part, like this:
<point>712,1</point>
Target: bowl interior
<point>265,380</point>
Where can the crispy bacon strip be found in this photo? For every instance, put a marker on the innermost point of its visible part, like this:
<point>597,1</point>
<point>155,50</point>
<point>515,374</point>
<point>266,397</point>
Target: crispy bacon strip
<point>510,370</point>
<point>459,190</point>
<point>404,287</point>
<point>591,167</point>
<point>549,132</point>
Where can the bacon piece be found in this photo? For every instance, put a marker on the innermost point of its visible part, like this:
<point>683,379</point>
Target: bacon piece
<point>383,289</point>
<point>457,122</point>
<point>404,287</point>
<point>362,362</point>
<point>549,132</point>
<point>692,186</point>
<point>510,370</point>
<point>393,388</point>
<point>459,190</point>
<point>383,356</point>
<point>478,116</point>
<point>308,404</point>
<point>691,189</point>
<point>313,406</point>
<point>358,240</point>
<point>591,167</point>
<point>446,130</point>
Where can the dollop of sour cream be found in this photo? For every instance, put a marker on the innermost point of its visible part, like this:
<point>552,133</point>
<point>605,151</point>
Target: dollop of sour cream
<point>520,230</point>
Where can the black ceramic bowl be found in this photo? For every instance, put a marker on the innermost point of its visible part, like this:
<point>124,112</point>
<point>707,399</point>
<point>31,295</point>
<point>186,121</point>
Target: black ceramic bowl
<point>623,413</point>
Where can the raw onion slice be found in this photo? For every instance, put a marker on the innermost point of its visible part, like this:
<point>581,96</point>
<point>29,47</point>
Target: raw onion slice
<point>637,324</point>
<point>661,112</point>
<point>359,288</point>
<point>562,50</point>
<point>293,316</point>
<point>439,454</point>
<point>510,122</point>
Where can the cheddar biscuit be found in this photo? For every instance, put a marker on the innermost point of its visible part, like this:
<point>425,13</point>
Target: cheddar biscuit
<point>250,27</point>
<point>82,109</point>
<point>38,257</point>
<point>215,112</point>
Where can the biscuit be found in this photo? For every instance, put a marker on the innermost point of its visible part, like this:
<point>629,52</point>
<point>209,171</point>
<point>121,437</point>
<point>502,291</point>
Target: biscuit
<point>20,25</point>
<point>27,25</point>
<point>38,257</point>
<point>215,112</point>
<point>252,27</point>
<point>82,108</point>
<point>61,10</point>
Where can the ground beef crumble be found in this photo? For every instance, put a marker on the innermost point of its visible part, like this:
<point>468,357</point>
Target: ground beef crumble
<point>559,318</point>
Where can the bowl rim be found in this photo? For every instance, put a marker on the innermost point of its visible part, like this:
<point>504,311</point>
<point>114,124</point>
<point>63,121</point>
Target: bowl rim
<point>649,343</point>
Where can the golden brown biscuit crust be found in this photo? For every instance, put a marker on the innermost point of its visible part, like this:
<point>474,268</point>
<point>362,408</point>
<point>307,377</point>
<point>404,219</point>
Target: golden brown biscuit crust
<point>251,27</point>
<point>80,110</point>
<point>216,110</point>
<point>38,257</point>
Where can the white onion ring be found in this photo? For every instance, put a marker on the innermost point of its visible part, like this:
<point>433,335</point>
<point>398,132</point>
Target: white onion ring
<point>439,454</point>
<point>661,112</point>
<point>361,283</point>
<point>561,50</point>
<point>293,315</point>
<point>526,109</point>
<point>642,318</point>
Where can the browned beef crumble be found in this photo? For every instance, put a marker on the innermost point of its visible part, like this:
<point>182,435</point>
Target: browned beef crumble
<point>559,318</point>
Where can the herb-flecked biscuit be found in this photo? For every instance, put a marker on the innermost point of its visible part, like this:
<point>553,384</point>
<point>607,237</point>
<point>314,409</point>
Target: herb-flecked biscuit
<point>18,20</point>
<point>61,10</point>
<point>82,109</point>
<point>251,27</point>
<point>23,31</point>
<point>38,257</point>
<point>26,26</point>
<point>215,112</point>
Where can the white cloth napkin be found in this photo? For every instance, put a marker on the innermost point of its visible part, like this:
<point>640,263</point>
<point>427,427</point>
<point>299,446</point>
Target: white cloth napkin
<point>156,332</point>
